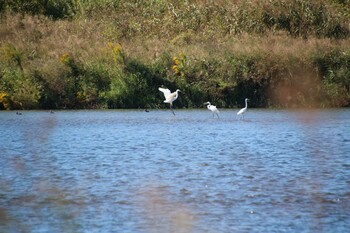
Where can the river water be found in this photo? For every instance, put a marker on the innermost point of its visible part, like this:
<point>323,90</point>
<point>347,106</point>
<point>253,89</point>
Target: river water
<point>137,171</point>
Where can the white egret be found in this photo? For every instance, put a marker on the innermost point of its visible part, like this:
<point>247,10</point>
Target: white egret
<point>170,97</point>
<point>243,110</point>
<point>213,109</point>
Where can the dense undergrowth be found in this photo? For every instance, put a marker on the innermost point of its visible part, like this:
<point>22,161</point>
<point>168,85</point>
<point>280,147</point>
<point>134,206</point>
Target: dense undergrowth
<point>115,54</point>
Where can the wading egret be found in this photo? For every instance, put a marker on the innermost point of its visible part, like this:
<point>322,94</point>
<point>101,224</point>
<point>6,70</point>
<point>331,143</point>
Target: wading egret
<point>213,109</point>
<point>170,97</point>
<point>243,110</point>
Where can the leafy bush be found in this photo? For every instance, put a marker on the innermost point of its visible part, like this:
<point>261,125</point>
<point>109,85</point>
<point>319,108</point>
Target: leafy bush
<point>57,9</point>
<point>20,90</point>
<point>334,70</point>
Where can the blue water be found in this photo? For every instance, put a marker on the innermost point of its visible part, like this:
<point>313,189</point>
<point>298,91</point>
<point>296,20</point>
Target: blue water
<point>136,171</point>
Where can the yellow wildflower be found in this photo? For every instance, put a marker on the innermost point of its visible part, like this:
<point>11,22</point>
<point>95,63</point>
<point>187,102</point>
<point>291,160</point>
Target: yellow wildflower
<point>110,45</point>
<point>64,58</point>
<point>182,56</point>
<point>175,68</point>
<point>176,61</point>
<point>117,48</point>
<point>4,101</point>
<point>117,52</point>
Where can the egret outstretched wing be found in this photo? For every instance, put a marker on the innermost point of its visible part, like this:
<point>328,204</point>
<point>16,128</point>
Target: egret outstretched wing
<point>165,91</point>
<point>169,97</point>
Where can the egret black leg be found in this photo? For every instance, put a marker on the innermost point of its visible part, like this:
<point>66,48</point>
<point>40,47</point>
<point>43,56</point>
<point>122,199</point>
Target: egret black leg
<point>171,107</point>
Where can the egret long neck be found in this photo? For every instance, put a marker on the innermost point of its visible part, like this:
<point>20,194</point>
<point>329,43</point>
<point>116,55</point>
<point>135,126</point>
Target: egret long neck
<point>246,103</point>
<point>176,94</point>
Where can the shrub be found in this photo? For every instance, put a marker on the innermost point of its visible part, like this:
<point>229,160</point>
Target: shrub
<point>22,92</point>
<point>334,70</point>
<point>57,9</point>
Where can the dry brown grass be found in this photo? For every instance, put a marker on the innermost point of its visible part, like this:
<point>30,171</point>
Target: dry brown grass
<point>42,39</point>
<point>277,46</point>
<point>39,37</point>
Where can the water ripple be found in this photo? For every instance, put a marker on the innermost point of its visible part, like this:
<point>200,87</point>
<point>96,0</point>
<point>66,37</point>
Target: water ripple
<point>131,171</point>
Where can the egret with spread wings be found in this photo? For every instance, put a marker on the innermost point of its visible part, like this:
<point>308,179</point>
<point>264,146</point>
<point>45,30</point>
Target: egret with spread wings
<point>169,97</point>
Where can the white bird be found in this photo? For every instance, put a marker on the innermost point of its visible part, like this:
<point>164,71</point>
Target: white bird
<point>213,109</point>
<point>243,110</point>
<point>170,97</point>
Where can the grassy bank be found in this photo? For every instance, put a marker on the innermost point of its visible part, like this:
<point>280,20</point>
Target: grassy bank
<point>115,54</point>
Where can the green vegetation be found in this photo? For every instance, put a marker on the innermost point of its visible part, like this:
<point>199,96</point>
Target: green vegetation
<point>115,54</point>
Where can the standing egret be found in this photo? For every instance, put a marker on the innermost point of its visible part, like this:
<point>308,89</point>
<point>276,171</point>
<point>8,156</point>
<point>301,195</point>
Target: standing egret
<point>213,109</point>
<point>170,97</point>
<point>243,110</point>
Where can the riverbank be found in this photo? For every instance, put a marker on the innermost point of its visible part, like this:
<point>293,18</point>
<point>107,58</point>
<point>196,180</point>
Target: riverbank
<point>284,54</point>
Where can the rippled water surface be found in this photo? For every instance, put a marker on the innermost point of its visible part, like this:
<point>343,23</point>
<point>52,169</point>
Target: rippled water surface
<point>136,171</point>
